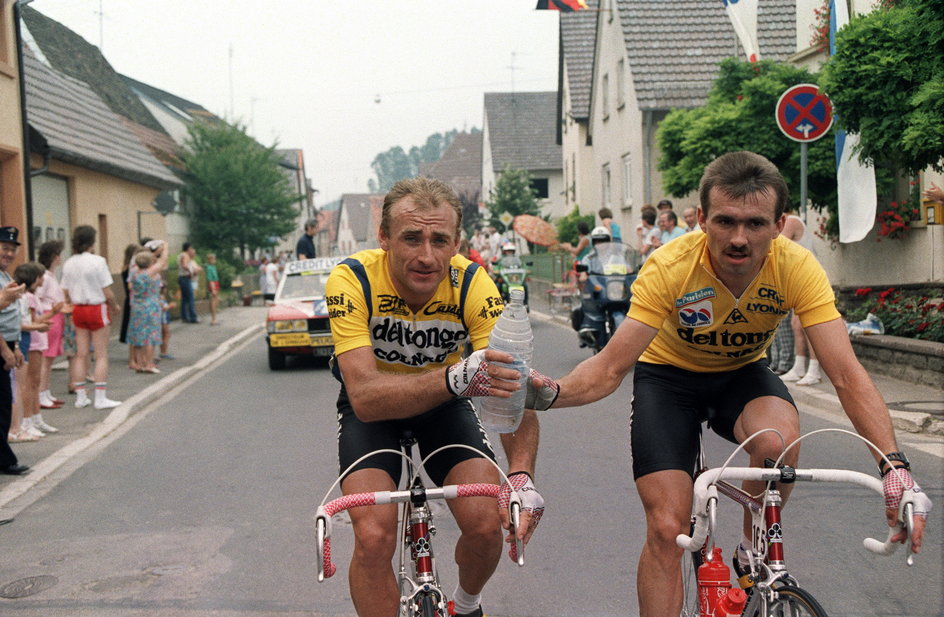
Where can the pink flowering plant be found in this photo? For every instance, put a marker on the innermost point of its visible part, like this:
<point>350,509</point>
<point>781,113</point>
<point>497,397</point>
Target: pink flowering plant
<point>911,314</point>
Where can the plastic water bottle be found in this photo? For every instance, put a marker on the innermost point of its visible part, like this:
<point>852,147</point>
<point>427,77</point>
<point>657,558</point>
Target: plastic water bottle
<point>511,334</point>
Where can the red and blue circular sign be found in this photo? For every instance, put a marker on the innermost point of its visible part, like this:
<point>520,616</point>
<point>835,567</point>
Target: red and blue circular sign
<point>804,113</point>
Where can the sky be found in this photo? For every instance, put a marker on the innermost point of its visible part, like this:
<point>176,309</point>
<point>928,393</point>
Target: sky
<point>343,80</point>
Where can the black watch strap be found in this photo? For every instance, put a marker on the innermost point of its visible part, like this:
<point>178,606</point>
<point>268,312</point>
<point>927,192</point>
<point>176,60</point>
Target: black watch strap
<point>894,457</point>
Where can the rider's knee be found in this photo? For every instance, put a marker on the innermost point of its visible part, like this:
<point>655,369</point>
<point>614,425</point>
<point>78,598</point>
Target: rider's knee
<point>375,542</point>
<point>663,529</point>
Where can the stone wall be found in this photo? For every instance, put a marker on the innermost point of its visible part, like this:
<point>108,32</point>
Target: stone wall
<point>911,360</point>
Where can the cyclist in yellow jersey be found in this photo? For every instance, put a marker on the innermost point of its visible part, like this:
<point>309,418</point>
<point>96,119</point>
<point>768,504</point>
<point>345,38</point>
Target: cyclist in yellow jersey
<point>705,307</point>
<point>401,316</point>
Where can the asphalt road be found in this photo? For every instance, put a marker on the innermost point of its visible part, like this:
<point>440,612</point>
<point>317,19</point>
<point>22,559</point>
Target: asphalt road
<point>203,506</point>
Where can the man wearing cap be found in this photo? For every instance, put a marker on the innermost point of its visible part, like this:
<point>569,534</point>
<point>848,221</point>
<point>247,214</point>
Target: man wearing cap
<point>9,347</point>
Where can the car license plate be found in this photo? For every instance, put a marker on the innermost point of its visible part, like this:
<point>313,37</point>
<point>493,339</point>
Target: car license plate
<point>322,351</point>
<point>290,339</point>
<point>321,340</point>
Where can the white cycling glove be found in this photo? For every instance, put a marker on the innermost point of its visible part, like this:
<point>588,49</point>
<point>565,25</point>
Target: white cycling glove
<point>469,377</point>
<point>542,391</point>
<point>899,484</point>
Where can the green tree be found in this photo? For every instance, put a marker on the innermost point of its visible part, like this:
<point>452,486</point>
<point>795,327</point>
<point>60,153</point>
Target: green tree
<point>567,225</point>
<point>512,193</point>
<point>237,197</point>
<point>739,115</point>
<point>396,164</point>
<point>886,82</point>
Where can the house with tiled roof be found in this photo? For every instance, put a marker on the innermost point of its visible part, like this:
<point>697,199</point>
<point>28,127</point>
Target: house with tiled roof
<point>174,113</point>
<point>519,131</point>
<point>97,173</point>
<point>13,150</point>
<point>578,35</point>
<point>70,54</point>
<point>358,221</point>
<point>650,57</point>
<point>460,165</point>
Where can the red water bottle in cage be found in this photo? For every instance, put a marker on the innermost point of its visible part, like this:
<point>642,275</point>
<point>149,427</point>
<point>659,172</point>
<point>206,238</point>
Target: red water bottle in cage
<point>714,582</point>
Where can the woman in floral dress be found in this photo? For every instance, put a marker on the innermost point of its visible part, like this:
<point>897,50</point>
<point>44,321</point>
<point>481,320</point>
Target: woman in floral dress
<point>144,325</point>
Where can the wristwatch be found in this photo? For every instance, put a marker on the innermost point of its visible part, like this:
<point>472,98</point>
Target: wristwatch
<point>896,457</point>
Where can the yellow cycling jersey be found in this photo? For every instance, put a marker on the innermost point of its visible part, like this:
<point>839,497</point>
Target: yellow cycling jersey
<point>366,311</point>
<point>702,326</point>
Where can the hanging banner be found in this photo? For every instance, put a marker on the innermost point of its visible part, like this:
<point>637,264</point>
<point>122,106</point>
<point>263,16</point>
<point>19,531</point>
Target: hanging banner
<point>855,182</point>
<point>743,16</point>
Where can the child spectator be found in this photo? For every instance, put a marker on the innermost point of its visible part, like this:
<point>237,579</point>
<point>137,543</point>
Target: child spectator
<point>33,341</point>
<point>50,292</point>
<point>213,287</point>
<point>166,308</point>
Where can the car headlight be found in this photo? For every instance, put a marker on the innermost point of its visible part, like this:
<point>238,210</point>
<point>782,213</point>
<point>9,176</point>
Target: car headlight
<point>288,325</point>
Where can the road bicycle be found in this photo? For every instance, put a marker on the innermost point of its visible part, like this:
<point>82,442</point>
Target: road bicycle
<point>421,594</point>
<point>775,591</point>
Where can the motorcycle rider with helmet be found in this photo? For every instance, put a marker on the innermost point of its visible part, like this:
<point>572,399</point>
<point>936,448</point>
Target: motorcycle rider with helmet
<point>604,275</point>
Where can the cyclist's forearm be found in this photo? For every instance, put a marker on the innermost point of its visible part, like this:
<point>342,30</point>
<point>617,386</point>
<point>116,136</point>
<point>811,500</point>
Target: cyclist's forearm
<point>521,447</point>
<point>868,412</point>
<point>395,397</point>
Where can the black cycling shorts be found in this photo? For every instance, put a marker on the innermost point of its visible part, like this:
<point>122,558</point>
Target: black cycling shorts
<point>669,405</point>
<point>453,422</point>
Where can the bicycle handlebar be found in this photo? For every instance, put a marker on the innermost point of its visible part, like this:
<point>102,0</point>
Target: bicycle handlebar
<point>326,568</point>
<point>705,491</point>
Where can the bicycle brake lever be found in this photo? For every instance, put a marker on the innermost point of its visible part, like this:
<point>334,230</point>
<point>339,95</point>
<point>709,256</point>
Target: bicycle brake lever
<point>515,510</point>
<point>908,512</point>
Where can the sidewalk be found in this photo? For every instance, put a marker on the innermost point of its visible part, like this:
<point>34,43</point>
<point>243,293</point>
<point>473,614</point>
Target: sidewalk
<point>194,346</point>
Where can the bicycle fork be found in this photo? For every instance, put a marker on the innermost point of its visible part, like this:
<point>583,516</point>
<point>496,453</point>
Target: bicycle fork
<point>420,594</point>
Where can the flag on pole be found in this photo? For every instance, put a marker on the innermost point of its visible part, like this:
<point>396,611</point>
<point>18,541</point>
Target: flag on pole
<point>743,16</point>
<point>566,6</point>
<point>855,182</point>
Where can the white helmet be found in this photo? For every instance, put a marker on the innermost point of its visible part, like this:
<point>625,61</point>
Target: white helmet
<point>600,234</point>
<point>508,246</point>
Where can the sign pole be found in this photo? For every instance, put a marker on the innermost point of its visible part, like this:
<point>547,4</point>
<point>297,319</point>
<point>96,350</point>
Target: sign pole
<point>803,162</point>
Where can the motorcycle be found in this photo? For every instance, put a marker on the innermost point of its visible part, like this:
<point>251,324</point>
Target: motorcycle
<point>511,274</point>
<point>605,279</point>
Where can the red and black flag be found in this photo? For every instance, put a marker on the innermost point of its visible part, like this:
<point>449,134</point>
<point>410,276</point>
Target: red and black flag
<point>567,6</point>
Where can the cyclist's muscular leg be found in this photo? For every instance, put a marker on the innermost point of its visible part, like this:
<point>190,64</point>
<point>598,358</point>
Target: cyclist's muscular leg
<point>768,412</point>
<point>667,499</point>
<point>479,547</point>
<point>371,579</point>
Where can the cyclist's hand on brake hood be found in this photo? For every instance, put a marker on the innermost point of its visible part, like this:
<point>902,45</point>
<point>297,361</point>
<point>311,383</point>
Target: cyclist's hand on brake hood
<point>898,484</point>
<point>477,376</point>
<point>532,507</point>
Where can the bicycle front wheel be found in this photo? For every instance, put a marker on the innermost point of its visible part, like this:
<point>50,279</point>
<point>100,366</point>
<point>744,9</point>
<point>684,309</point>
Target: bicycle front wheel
<point>428,606</point>
<point>794,601</point>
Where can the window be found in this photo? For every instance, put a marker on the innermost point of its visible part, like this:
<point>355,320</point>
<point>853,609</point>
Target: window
<point>620,84</point>
<point>605,96</point>
<point>606,186</point>
<point>627,182</point>
<point>6,29</point>
<point>540,187</point>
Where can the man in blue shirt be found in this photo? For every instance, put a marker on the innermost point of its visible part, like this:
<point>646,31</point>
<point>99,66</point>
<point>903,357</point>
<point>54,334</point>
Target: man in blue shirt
<point>305,247</point>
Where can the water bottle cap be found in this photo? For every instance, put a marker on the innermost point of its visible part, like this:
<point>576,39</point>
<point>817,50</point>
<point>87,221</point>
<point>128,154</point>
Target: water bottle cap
<point>516,295</point>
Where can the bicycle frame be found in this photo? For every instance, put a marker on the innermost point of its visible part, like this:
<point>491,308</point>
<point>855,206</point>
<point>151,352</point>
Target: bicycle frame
<point>418,580</point>
<point>768,564</point>
<point>773,586</point>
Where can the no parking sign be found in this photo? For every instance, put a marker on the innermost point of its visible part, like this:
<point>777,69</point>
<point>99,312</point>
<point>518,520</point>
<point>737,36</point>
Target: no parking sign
<point>804,113</point>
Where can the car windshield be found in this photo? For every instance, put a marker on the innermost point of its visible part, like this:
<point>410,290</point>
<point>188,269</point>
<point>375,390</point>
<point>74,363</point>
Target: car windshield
<point>303,286</point>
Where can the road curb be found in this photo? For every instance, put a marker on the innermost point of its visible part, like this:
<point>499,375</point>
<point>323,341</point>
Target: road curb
<point>117,417</point>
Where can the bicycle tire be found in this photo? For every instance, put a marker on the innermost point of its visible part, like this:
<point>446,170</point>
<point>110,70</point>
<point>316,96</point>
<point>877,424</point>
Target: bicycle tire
<point>427,606</point>
<point>793,601</point>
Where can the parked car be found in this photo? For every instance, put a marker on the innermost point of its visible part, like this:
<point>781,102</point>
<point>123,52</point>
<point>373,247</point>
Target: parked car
<point>297,321</point>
